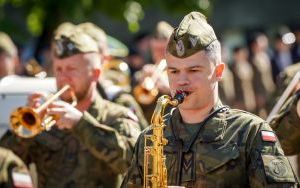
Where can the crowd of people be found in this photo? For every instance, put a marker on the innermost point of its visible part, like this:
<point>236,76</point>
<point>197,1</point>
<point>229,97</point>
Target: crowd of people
<point>214,138</point>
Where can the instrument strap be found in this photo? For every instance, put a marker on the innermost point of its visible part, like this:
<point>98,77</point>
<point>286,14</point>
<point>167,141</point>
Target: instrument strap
<point>180,143</point>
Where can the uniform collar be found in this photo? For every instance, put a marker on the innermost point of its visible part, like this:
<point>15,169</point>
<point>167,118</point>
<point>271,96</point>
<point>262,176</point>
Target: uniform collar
<point>213,127</point>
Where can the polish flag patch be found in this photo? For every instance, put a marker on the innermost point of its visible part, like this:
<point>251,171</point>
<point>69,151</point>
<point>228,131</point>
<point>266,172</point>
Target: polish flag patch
<point>268,136</point>
<point>21,180</point>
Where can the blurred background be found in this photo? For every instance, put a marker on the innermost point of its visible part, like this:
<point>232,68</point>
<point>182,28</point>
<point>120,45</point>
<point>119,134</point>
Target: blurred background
<point>259,37</point>
<point>30,23</point>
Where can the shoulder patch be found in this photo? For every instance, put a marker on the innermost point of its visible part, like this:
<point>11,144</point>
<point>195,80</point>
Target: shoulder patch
<point>268,136</point>
<point>21,180</point>
<point>278,169</point>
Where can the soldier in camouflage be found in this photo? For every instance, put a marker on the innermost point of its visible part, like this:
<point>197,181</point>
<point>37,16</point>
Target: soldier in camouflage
<point>112,91</point>
<point>91,144</point>
<point>287,122</point>
<point>158,44</point>
<point>13,172</point>
<point>209,144</point>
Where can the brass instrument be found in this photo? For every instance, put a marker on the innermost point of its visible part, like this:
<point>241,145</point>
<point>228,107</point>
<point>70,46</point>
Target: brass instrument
<point>120,67</point>
<point>146,92</point>
<point>27,122</point>
<point>287,93</point>
<point>158,176</point>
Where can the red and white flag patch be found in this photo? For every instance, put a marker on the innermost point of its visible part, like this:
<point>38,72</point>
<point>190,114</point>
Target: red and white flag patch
<point>268,136</point>
<point>21,180</point>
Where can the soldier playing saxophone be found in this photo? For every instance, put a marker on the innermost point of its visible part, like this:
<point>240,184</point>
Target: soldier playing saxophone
<point>209,144</point>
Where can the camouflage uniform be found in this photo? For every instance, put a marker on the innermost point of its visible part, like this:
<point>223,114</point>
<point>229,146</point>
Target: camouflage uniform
<point>123,98</point>
<point>227,87</point>
<point>122,95</point>
<point>229,148</point>
<point>95,153</point>
<point>243,81</point>
<point>287,122</point>
<point>13,172</point>
<point>263,80</point>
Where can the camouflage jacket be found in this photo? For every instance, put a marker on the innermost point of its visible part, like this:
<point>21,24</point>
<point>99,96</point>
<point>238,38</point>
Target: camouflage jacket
<point>13,172</point>
<point>95,153</point>
<point>125,99</point>
<point>231,148</point>
<point>286,123</point>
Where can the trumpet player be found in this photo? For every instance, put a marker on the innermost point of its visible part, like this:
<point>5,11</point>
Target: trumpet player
<point>209,144</point>
<point>153,76</point>
<point>91,143</point>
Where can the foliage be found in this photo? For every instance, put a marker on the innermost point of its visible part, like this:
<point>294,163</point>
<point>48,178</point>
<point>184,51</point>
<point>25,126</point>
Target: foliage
<point>39,16</point>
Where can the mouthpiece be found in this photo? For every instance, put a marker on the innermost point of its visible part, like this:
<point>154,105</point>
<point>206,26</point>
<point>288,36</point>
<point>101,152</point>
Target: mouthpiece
<point>180,95</point>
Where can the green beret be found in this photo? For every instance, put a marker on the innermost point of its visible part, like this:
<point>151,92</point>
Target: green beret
<point>163,30</point>
<point>6,45</point>
<point>74,43</point>
<point>193,34</point>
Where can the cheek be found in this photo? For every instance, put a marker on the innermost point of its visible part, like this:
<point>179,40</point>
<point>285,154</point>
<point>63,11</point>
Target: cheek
<point>172,80</point>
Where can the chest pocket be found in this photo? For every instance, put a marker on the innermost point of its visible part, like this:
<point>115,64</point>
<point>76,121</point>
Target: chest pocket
<point>216,158</point>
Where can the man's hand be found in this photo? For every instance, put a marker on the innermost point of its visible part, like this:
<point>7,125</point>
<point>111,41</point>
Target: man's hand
<point>67,115</point>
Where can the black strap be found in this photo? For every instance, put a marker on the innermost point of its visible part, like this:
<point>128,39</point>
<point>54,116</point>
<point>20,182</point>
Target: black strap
<point>180,143</point>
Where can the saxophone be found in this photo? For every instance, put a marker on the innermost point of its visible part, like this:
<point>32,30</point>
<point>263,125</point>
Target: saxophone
<point>158,176</point>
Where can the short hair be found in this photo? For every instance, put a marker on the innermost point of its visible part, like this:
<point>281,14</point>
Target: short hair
<point>213,52</point>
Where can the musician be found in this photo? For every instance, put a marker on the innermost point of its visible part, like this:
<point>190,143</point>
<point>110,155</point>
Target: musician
<point>107,86</point>
<point>158,44</point>
<point>286,122</point>
<point>91,143</point>
<point>209,144</point>
<point>13,171</point>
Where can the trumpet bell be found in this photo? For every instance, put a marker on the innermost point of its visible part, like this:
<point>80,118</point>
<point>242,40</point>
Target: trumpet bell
<point>145,96</point>
<point>25,122</point>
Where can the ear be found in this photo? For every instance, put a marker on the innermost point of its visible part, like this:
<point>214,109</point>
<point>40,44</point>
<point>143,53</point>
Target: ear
<point>219,70</point>
<point>96,74</point>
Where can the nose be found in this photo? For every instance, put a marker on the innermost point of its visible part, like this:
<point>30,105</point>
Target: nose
<point>183,79</point>
<point>62,76</point>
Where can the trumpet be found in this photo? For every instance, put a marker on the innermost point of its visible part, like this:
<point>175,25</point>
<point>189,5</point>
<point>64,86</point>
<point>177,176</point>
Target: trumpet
<point>158,176</point>
<point>146,92</point>
<point>27,122</point>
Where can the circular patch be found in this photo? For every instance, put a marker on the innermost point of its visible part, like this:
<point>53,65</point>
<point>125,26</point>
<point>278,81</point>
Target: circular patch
<point>278,168</point>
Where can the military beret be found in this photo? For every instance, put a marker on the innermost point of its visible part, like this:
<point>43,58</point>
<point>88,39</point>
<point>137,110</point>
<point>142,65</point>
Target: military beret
<point>193,34</point>
<point>96,33</point>
<point>163,30</point>
<point>74,42</point>
<point>6,45</point>
<point>65,28</point>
